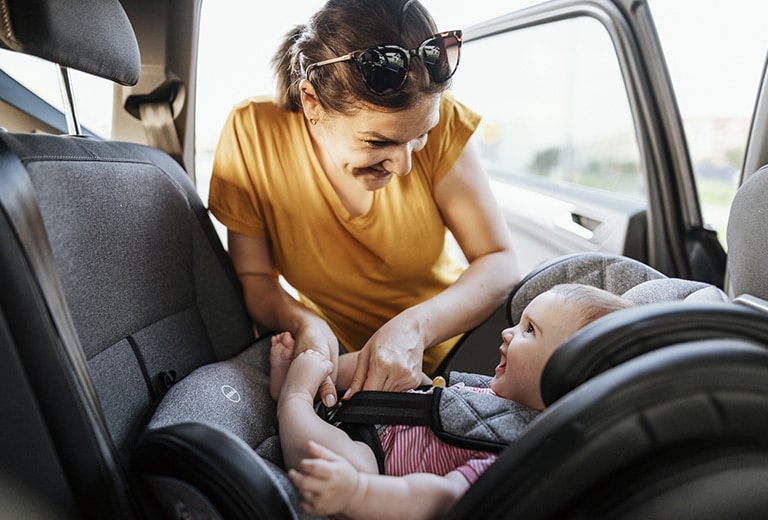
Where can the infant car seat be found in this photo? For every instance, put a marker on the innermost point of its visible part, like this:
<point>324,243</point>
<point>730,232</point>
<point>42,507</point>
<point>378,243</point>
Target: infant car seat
<point>675,433</point>
<point>656,411</point>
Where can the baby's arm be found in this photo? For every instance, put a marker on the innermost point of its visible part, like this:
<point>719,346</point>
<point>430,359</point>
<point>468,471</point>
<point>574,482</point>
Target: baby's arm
<point>329,485</point>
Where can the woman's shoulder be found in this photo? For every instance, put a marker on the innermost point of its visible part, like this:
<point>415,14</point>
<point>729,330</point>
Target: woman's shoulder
<point>447,140</point>
<point>259,115</point>
<point>259,108</point>
<point>454,113</point>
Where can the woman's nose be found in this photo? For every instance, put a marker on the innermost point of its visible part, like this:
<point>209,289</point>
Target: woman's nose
<point>399,162</point>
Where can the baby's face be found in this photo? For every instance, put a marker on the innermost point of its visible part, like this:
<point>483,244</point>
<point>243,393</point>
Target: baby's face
<point>544,325</point>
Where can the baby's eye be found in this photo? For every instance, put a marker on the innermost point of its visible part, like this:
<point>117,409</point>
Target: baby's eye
<point>376,144</point>
<point>530,329</point>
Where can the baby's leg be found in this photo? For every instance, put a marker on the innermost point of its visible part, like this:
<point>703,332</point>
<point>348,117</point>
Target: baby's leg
<point>299,423</point>
<point>280,355</point>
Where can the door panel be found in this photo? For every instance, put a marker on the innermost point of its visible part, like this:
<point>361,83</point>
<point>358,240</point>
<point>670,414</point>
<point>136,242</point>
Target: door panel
<point>582,137</point>
<point>583,144</point>
<point>557,136</point>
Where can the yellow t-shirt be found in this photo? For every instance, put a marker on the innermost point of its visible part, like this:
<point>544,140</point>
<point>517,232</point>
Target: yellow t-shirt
<point>355,272</point>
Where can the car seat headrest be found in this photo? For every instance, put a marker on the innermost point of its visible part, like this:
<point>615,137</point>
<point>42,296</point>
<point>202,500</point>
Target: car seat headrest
<point>614,273</point>
<point>674,289</point>
<point>94,37</point>
<point>629,333</point>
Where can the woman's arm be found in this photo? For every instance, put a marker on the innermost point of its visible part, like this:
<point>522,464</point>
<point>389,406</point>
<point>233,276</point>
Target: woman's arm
<point>330,485</point>
<point>391,359</point>
<point>271,306</point>
<point>473,216</point>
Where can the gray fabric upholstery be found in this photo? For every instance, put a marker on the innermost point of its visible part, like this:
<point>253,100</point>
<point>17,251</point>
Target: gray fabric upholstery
<point>92,36</point>
<point>469,379</point>
<point>748,239</point>
<point>147,283</point>
<point>674,289</point>
<point>481,417</point>
<point>231,394</point>
<point>613,273</point>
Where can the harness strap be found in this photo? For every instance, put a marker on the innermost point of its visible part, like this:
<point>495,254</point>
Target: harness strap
<point>378,407</point>
<point>359,415</point>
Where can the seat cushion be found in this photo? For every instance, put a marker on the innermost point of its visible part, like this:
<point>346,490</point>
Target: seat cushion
<point>231,394</point>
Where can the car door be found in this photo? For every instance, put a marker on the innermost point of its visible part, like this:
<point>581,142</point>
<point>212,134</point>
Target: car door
<point>582,138</point>
<point>583,144</point>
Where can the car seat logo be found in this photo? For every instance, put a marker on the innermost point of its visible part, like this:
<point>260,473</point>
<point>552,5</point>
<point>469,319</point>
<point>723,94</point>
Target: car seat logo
<point>230,393</point>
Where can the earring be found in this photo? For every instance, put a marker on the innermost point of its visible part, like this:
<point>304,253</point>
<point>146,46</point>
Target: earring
<point>312,122</point>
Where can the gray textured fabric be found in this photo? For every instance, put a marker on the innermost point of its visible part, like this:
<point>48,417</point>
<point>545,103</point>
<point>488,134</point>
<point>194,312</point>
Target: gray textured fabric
<point>708,294</point>
<point>748,239</point>
<point>613,273</point>
<point>122,244</point>
<point>482,417</point>
<point>674,289</point>
<point>184,501</point>
<point>148,285</point>
<point>469,379</point>
<point>231,394</point>
<point>94,37</point>
<point>122,391</point>
<point>165,349</point>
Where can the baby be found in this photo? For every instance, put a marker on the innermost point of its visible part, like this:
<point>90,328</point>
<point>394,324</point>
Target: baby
<point>424,476</point>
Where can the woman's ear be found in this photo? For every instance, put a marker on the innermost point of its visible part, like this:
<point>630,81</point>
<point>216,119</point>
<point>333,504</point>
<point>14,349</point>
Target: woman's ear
<point>309,102</point>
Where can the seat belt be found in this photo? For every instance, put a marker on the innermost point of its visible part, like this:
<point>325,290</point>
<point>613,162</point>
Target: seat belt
<point>157,112</point>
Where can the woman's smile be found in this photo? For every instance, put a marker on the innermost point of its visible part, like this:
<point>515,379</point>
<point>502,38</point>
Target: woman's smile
<point>373,172</point>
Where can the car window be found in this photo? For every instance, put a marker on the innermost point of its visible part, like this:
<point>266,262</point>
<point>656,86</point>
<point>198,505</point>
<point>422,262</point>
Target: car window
<point>715,80</point>
<point>93,95</point>
<point>554,107</point>
<point>715,65</point>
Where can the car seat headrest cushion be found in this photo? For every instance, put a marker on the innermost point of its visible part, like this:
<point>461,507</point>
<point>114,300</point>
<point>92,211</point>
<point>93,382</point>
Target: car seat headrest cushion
<point>93,37</point>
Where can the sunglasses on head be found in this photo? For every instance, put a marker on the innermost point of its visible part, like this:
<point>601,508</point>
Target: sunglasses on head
<point>385,67</point>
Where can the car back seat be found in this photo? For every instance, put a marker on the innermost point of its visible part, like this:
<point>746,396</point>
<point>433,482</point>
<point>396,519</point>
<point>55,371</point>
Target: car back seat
<point>748,239</point>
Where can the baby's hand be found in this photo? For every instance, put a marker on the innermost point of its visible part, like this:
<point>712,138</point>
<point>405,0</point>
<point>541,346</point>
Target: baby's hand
<point>326,483</point>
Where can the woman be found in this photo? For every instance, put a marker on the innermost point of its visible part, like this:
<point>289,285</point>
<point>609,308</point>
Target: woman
<point>346,185</point>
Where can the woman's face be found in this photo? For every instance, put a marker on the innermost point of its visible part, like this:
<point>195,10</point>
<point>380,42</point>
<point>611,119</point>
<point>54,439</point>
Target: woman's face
<point>370,146</point>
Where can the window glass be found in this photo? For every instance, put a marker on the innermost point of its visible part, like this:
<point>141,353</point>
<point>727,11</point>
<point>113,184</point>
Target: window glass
<point>93,95</point>
<point>715,65</point>
<point>554,107</point>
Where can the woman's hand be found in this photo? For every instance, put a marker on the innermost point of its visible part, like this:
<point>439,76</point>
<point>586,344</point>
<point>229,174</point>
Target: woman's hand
<point>391,360</point>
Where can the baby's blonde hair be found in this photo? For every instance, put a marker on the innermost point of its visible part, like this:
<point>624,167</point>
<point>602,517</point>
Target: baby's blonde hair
<point>593,302</point>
